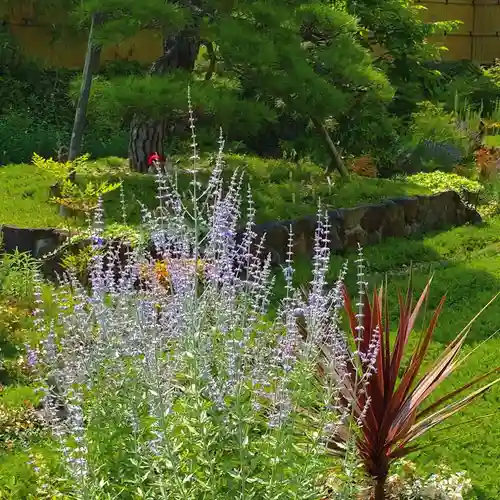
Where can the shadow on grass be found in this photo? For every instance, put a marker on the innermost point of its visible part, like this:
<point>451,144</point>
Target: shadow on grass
<point>464,263</point>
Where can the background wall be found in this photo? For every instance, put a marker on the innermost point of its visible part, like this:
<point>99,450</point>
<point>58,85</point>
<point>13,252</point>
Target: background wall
<point>477,38</point>
<point>55,48</point>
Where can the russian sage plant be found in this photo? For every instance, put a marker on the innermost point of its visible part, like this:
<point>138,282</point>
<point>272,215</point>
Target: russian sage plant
<point>184,385</point>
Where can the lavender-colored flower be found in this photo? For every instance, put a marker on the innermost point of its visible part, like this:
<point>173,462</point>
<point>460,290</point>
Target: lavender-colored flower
<point>31,357</point>
<point>99,242</point>
<point>141,350</point>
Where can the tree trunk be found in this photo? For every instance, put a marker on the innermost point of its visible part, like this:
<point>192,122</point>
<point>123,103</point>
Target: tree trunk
<point>212,58</point>
<point>336,159</point>
<point>147,136</point>
<point>92,59</point>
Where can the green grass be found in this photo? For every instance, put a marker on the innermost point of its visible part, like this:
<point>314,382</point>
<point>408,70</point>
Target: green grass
<point>281,190</point>
<point>24,197</point>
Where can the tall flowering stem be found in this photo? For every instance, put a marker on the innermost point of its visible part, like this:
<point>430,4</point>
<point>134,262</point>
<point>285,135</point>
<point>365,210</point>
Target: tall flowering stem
<point>188,369</point>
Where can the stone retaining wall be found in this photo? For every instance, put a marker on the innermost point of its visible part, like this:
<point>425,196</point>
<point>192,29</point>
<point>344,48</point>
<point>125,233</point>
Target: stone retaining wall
<point>366,224</point>
<point>370,224</point>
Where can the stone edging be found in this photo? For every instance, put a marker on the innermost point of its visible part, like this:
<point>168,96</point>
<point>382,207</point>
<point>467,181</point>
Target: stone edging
<point>365,224</point>
<point>370,224</point>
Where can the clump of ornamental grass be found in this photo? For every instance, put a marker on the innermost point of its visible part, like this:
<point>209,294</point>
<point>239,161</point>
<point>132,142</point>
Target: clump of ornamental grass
<point>180,384</point>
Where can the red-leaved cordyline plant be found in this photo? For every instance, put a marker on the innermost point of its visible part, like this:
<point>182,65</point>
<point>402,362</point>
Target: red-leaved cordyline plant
<point>385,396</point>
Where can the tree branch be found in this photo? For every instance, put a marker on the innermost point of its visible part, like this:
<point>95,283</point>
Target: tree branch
<point>213,60</point>
<point>336,159</point>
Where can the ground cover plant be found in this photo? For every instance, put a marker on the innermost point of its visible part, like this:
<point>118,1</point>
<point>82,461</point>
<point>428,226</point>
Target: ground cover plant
<point>283,190</point>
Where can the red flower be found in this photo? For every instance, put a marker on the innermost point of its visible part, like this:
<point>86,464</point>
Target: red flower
<point>154,157</point>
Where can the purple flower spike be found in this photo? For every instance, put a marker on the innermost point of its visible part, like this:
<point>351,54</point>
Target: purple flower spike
<point>98,241</point>
<point>32,357</point>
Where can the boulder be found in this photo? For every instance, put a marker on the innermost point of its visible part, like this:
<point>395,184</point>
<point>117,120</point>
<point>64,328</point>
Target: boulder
<point>37,242</point>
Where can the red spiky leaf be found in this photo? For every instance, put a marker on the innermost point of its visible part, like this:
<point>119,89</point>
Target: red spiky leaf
<point>396,417</point>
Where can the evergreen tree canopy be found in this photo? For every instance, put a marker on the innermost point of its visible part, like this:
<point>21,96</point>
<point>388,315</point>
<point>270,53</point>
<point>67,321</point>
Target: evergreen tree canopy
<point>396,30</point>
<point>297,55</point>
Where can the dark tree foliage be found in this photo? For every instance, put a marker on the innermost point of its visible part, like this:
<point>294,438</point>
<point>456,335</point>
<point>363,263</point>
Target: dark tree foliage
<point>265,60</point>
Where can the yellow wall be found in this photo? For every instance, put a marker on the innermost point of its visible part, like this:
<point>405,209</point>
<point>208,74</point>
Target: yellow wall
<point>477,39</point>
<point>39,42</point>
<point>35,34</point>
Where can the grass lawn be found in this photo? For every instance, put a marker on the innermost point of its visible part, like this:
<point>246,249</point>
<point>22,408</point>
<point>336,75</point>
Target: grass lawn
<point>281,190</point>
<point>492,140</point>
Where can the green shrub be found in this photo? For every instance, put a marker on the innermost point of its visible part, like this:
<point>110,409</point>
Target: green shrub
<point>17,275</point>
<point>438,182</point>
<point>100,142</point>
<point>433,141</point>
<point>20,479</point>
<point>490,198</point>
<point>21,133</point>
<point>36,113</point>
<point>467,81</point>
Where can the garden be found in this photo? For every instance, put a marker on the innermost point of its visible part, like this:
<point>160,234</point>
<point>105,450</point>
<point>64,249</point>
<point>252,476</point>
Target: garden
<point>192,334</point>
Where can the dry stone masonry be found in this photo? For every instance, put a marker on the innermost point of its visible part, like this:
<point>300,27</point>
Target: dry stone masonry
<point>365,224</point>
<point>370,224</point>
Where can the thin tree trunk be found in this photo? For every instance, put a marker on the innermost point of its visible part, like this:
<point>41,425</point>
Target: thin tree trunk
<point>213,60</point>
<point>147,136</point>
<point>336,159</point>
<point>92,59</point>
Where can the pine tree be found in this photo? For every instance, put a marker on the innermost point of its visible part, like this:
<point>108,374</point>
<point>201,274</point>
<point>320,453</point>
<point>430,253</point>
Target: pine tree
<point>297,54</point>
<point>299,57</point>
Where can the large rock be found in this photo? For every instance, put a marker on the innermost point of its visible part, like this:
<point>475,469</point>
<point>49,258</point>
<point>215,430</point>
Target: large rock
<point>354,237</point>
<point>352,217</point>
<point>37,242</point>
<point>394,221</point>
<point>303,236</point>
<point>337,231</point>
<point>276,239</point>
<point>370,224</point>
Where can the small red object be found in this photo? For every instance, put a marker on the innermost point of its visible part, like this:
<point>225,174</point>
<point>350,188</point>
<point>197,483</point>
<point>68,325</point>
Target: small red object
<point>154,157</point>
